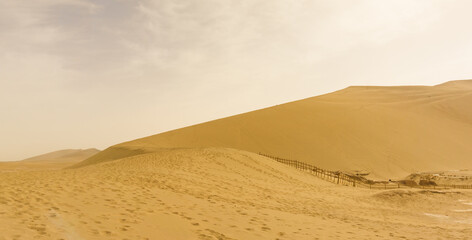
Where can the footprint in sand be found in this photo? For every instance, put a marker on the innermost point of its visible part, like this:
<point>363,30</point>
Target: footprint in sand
<point>265,228</point>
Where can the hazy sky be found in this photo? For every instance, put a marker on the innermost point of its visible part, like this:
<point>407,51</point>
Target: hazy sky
<point>93,73</point>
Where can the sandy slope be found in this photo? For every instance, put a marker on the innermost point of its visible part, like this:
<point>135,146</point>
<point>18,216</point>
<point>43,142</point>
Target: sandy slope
<point>388,131</point>
<point>217,194</point>
<point>49,161</point>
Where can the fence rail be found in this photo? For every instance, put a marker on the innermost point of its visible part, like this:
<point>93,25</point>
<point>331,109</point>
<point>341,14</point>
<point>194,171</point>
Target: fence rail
<point>346,179</point>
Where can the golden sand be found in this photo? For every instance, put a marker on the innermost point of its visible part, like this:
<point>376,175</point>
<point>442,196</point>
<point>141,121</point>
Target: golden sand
<point>217,194</point>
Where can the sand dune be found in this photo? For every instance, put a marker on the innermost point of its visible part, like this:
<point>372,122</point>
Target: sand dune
<point>217,194</point>
<point>207,182</point>
<point>52,160</point>
<point>387,131</point>
<point>69,155</point>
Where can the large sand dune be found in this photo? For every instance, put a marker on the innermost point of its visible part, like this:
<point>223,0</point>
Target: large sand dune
<point>217,194</point>
<point>387,131</point>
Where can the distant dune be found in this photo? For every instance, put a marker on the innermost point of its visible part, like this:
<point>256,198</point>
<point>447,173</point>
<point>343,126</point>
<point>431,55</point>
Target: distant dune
<point>387,131</point>
<point>67,155</point>
<point>52,160</point>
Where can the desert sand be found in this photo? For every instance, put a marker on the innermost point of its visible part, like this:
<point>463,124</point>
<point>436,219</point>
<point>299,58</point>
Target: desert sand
<point>217,193</point>
<point>208,182</point>
<point>389,132</point>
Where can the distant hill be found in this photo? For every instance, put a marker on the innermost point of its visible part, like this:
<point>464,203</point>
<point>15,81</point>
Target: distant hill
<point>49,161</point>
<point>387,131</point>
<point>67,155</point>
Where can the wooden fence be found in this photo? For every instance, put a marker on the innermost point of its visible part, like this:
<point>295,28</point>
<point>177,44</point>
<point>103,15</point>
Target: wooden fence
<point>341,178</point>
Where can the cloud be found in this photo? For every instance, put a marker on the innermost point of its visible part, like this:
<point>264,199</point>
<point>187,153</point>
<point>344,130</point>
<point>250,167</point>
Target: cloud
<point>171,40</point>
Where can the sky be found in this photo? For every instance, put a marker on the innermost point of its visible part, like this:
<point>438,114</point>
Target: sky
<point>94,73</point>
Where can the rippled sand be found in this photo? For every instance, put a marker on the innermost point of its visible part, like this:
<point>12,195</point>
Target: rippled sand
<point>217,193</point>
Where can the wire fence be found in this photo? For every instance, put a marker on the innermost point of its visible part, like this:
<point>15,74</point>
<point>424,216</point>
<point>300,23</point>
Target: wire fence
<point>354,180</point>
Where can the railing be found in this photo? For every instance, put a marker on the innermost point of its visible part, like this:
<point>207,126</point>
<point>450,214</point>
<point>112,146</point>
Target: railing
<point>346,179</point>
